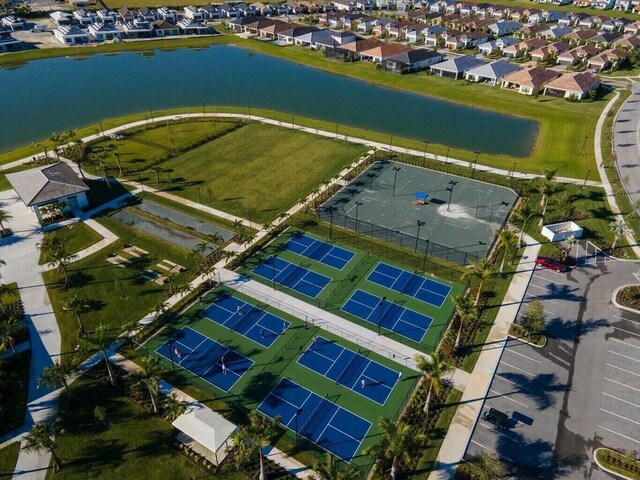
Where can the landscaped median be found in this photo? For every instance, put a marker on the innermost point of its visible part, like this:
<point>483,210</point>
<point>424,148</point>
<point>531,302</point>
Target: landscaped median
<point>627,297</point>
<point>618,464</point>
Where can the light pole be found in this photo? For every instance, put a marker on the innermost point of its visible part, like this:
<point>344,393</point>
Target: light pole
<point>395,178</point>
<point>475,163</point>
<point>452,183</point>
<point>297,413</point>
<point>101,129</point>
<point>381,312</point>
<point>173,364</point>
<point>446,160</point>
<point>390,144</point>
<point>273,270</point>
<point>357,209</point>
<point>420,224</point>
<point>426,144</point>
<point>151,113</point>
<point>330,222</point>
<point>203,111</point>
<point>424,261</point>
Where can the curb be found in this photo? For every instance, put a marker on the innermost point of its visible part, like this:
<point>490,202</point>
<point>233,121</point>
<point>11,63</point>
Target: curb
<point>605,469</point>
<point>614,295</point>
<point>522,339</point>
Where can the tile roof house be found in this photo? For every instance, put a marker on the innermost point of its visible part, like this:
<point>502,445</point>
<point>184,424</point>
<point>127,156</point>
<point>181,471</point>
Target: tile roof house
<point>629,42</point>
<point>554,49</point>
<point>607,59</point>
<point>528,81</point>
<point>456,67</point>
<point>162,28</point>
<point>381,52</point>
<point>50,184</point>
<point>574,85</point>
<point>577,54</point>
<point>491,73</point>
<point>494,45</point>
<point>580,36</point>
<point>523,47</point>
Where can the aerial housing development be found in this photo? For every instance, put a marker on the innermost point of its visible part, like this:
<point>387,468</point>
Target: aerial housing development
<point>330,240</point>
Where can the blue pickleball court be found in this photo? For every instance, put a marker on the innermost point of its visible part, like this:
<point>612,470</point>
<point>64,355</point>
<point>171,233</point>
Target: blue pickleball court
<point>292,276</point>
<point>323,252</point>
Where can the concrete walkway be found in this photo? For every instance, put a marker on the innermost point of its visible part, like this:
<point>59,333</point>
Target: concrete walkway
<point>21,254</point>
<point>468,412</point>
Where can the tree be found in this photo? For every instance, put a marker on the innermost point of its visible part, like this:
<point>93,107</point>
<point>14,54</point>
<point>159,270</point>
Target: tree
<point>507,239</point>
<point>5,216</point>
<point>480,270</point>
<point>523,215</point>
<point>250,439</point>
<point>120,170</point>
<point>396,444</point>
<point>159,309</point>
<point>76,152</point>
<point>4,289</point>
<point>156,169</point>
<point>329,469</point>
<point>56,376</point>
<point>546,187</point>
<point>9,326</point>
<point>432,370</point>
<point>172,408</point>
<point>215,238</point>
<point>96,343</point>
<point>41,437</point>
<point>564,204</point>
<point>43,147</point>
<point>76,306</point>
<point>619,229</point>
<point>533,318</point>
<point>56,255</point>
<point>238,224</point>
<point>149,377</point>
<point>466,312</point>
<point>487,467</point>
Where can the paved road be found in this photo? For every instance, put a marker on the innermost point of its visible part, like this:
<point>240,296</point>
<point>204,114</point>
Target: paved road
<point>580,391</point>
<point>627,143</point>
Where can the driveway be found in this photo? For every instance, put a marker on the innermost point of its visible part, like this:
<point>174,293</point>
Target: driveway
<point>577,393</point>
<point>626,143</point>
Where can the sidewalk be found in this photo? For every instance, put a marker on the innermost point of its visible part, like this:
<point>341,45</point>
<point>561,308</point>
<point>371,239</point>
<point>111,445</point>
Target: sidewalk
<point>455,443</point>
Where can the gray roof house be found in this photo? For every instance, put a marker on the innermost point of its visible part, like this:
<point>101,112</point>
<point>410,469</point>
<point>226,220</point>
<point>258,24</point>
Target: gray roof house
<point>456,67</point>
<point>491,73</point>
<point>413,60</point>
<point>48,185</point>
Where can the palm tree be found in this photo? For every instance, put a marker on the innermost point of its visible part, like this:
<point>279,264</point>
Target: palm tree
<point>4,217</point>
<point>98,342</point>
<point>432,370</point>
<point>184,289</point>
<point>4,289</point>
<point>58,375</point>
<point>120,170</point>
<point>149,377</point>
<point>156,169</point>
<point>215,238</point>
<point>172,408</point>
<point>252,438</point>
<point>76,152</point>
<point>507,239</point>
<point>9,326</point>
<point>619,229</point>
<point>546,187</point>
<point>524,214</point>
<point>43,147</point>
<point>466,312</point>
<point>56,255</point>
<point>77,305</point>
<point>480,270</point>
<point>238,224</point>
<point>487,467</point>
<point>564,204</point>
<point>57,140</point>
<point>396,444</point>
<point>159,309</point>
<point>41,437</point>
<point>329,469</point>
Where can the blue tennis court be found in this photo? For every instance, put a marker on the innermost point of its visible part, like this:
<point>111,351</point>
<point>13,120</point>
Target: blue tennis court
<point>354,371</point>
<point>319,251</point>
<point>292,276</point>
<point>207,359</point>
<point>407,283</point>
<point>389,315</point>
<point>246,319</point>
<point>317,419</point>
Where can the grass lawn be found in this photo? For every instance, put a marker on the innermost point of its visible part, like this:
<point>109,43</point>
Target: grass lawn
<point>257,171</point>
<point>115,296</point>
<point>275,362</point>
<point>13,396</point>
<point>8,459</point>
<point>76,237</point>
<point>143,148</point>
<point>133,446</point>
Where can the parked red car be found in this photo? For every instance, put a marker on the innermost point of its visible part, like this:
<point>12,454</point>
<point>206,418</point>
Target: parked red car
<point>551,264</point>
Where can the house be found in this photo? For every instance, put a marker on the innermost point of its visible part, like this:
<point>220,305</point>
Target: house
<point>167,14</point>
<point>137,29</point>
<point>555,32</point>
<point>491,73</point>
<point>522,48</point>
<point>503,27</point>
<point>228,11</point>
<point>552,50</point>
<point>456,67</point>
<point>102,32</point>
<point>270,32</point>
<point>145,13</point>
<point>14,23</point>
<point>334,40</point>
<point>580,36</point>
<point>289,36</point>
<point>71,35</point>
<point>125,15</point>
<point>239,24</point>
<point>628,42</point>
<point>353,50</point>
<point>574,85</point>
<point>466,40</point>
<point>51,184</point>
<point>344,5</point>
<point>607,60</point>
<point>632,28</point>
<point>577,55</point>
<point>193,13</point>
<point>366,23</point>
<point>623,5</point>
<point>193,27</point>
<point>604,40</point>
<point>107,16</point>
<point>61,18</point>
<point>80,3</point>
<point>162,28</point>
<point>413,60</point>
<point>602,4</point>
<point>532,30</point>
<point>84,17</point>
<point>7,42</point>
<point>380,53</point>
<point>494,46</point>
<point>528,81</point>
<point>250,11</point>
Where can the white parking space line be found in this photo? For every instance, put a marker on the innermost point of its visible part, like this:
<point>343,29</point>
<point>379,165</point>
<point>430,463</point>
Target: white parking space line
<point>622,384</point>
<point>630,320</point>
<point>492,451</point>
<point>624,356</point>
<point>619,434</point>
<point>536,297</point>
<point>620,416</point>
<point>621,400</point>
<point>627,331</point>
<point>546,289</point>
<point>624,343</point>
<point>498,375</point>
<point>516,368</point>
<point>512,350</point>
<point>623,369</point>
<point>495,430</point>
<point>506,396</point>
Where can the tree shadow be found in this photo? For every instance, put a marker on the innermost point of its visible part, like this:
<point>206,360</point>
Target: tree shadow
<point>533,459</point>
<point>572,329</point>
<point>539,388</point>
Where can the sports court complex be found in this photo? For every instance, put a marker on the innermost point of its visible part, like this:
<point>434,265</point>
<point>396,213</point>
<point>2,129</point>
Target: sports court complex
<point>451,217</point>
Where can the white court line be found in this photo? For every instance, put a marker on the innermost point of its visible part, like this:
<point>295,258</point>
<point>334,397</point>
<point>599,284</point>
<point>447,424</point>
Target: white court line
<point>513,366</point>
<point>626,331</point>
<point>624,343</point>
<point>622,369</point>
<point>620,416</point>
<point>506,396</point>
<point>621,400</point>
<point>511,350</point>
<point>492,451</point>
<point>622,384</point>
<point>624,356</point>
<point>619,434</point>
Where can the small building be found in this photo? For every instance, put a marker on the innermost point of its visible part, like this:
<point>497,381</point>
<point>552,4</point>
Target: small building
<point>413,60</point>
<point>574,85</point>
<point>84,17</point>
<point>50,185</point>
<point>137,29</point>
<point>607,60</point>
<point>162,28</point>
<point>528,81</point>
<point>13,22</point>
<point>382,52</point>
<point>494,46</point>
<point>558,232</point>
<point>71,35</point>
<point>7,42</point>
<point>103,32</point>
<point>456,68</point>
<point>491,73</point>
<point>61,18</point>
<point>107,16</point>
<point>193,27</point>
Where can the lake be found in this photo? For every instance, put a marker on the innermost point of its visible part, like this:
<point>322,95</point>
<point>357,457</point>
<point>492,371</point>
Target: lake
<point>57,94</point>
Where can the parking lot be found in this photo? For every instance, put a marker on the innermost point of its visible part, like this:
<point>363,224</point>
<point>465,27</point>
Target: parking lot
<point>577,393</point>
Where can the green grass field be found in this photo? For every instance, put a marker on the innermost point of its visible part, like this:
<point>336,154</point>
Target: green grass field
<point>279,361</point>
<point>14,393</point>
<point>257,171</point>
<point>8,459</point>
<point>351,278</point>
<point>76,237</point>
<point>134,445</point>
<point>115,296</point>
